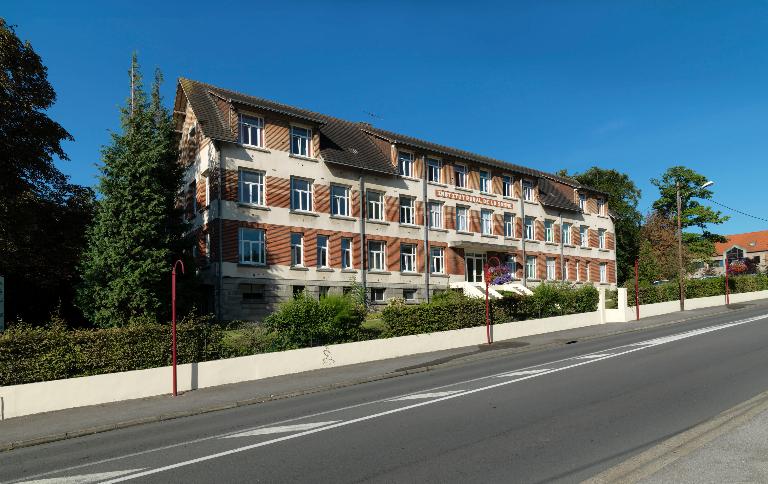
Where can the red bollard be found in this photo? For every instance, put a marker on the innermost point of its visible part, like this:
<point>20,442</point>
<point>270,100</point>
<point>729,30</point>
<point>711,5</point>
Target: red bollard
<point>173,321</point>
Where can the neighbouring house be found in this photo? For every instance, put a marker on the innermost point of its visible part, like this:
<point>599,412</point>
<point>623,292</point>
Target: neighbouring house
<point>750,246</point>
<point>284,200</point>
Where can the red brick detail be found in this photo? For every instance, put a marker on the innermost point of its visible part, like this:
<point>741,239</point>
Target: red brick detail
<point>322,198</point>
<point>449,213</point>
<point>455,261</point>
<point>474,221</point>
<point>355,204</point>
<point>392,209</point>
<point>278,192</point>
<point>556,229</point>
<point>538,230</point>
<point>498,224</point>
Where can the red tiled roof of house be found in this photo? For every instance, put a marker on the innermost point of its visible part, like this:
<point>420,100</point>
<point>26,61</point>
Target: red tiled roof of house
<point>750,242</point>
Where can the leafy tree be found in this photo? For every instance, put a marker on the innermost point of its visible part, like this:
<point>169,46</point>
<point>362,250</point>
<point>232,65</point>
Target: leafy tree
<point>138,226</point>
<point>658,249</point>
<point>693,213</point>
<point>42,215</point>
<point>623,197</point>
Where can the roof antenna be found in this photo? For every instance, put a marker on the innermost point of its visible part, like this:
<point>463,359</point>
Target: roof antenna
<point>373,115</point>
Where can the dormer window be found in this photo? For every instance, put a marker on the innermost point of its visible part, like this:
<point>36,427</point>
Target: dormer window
<point>582,202</point>
<point>300,141</point>
<point>251,131</point>
<point>405,163</point>
<point>461,175</point>
<point>434,167</point>
<point>506,186</point>
<point>485,182</point>
<point>528,190</point>
<point>601,206</point>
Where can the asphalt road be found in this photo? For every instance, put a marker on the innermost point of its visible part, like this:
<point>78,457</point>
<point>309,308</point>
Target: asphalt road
<point>557,415</point>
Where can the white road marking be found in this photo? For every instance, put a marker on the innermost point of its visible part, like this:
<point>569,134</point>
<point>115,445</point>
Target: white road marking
<point>521,373</point>
<point>280,429</point>
<point>83,478</point>
<point>594,355</point>
<point>422,396</point>
<point>631,348</point>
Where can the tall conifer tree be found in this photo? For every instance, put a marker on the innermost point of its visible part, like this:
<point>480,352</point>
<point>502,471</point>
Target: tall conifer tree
<point>138,225</point>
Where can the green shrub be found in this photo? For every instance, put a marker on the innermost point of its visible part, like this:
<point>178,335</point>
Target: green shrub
<point>694,288</point>
<point>305,321</point>
<point>29,354</point>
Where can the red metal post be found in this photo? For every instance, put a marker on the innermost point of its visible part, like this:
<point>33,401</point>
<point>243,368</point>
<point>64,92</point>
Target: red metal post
<point>173,321</point>
<point>487,274</point>
<point>727,287</point>
<point>637,291</point>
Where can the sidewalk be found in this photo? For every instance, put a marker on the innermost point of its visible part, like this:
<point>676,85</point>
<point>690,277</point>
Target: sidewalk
<point>52,426</point>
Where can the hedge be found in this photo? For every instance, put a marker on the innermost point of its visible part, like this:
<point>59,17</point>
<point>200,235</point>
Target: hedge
<point>452,310</point>
<point>694,288</point>
<point>30,354</point>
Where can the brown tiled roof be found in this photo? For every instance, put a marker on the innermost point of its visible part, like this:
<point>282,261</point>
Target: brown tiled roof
<point>557,195</point>
<point>348,143</point>
<point>749,241</point>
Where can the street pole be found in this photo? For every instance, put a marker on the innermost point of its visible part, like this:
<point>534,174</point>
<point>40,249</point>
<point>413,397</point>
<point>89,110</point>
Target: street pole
<point>173,321</point>
<point>727,287</point>
<point>637,291</point>
<point>681,274</point>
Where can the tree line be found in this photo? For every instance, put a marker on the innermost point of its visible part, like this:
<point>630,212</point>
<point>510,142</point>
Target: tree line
<point>104,260</point>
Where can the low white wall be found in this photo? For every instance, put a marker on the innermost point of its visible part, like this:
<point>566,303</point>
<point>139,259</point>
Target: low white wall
<point>648,310</point>
<point>18,400</point>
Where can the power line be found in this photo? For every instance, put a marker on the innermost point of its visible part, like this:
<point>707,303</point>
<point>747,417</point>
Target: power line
<point>738,211</point>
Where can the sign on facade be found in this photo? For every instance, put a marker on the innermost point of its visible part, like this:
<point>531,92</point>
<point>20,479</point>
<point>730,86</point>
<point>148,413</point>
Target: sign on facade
<point>2,303</point>
<point>463,197</point>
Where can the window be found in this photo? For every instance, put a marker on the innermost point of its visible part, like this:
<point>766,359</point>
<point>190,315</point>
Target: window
<point>409,294</point>
<point>549,233</point>
<point>566,238</point>
<point>512,265</point>
<point>601,239</point>
<point>528,190</point>
<point>734,254</point>
<point>346,253</point>
<point>297,290</point>
<point>375,205</point>
<point>578,271</point>
<point>550,268</point>
<point>486,222</point>
<point>322,291</point>
<point>376,250</point>
<point>252,249</point>
<point>251,185</point>
<point>461,175</point>
<point>297,249</point>
<point>530,267</point>
<point>485,181</point>
<point>254,294</point>
<point>300,138</point>
<point>601,206</point>
<point>584,236</point>
<point>435,215</point>
<point>603,272</point>
<point>301,194</point>
<point>437,260</point>
<point>377,294</point>
<point>509,225</point>
<point>434,167</point>
<point>461,219</point>
<point>207,191</point>
<point>506,186</point>
<point>407,211</point>
<point>407,258</point>
<point>322,251</point>
<point>251,131</point>
<point>529,228</point>
<point>193,192</point>
<point>405,163</point>
<point>340,200</point>
<point>583,202</point>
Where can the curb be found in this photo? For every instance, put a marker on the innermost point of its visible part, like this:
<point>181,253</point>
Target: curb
<point>460,359</point>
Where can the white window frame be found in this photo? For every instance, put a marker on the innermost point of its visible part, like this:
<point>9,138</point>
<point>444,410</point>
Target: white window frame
<point>435,168</point>
<point>346,253</point>
<point>374,205</point>
<point>528,192</point>
<point>247,187</point>
<point>509,224</point>
<point>460,171</point>
<point>340,201</point>
<point>305,196</point>
<point>405,163</point>
<point>551,263</point>
<point>297,249</point>
<point>532,226</point>
<point>408,258</point>
<point>601,206</point>
<point>462,218</point>
<point>512,265</point>
<point>437,260</point>
<point>601,238</point>
<point>583,202</point>
<point>603,272</point>
<point>549,231</point>
<point>247,124</point>
<point>305,141</point>
<point>530,267</point>
<point>486,222</point>
<point>589,276</point>
<point>485,181</point>
<point>377,254</point>
<point>408,211</point>
<point>565,236</point>
<point>507,182</point>
<point>377,294</point>
<point>207,191</point>
<point>566,272</point>
<point>584,236</point>
<point>323,252</point>
<point>435,215</point>
<point>247,247</point>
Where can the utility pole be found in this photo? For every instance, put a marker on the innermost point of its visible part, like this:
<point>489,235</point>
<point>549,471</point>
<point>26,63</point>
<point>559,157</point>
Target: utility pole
<point>681,270</point>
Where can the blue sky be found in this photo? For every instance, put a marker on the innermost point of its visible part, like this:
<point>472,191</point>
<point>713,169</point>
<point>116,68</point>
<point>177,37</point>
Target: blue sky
<point>636,86</point>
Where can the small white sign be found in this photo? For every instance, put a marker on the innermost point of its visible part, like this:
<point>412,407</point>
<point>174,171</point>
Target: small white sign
<point>2,303</point>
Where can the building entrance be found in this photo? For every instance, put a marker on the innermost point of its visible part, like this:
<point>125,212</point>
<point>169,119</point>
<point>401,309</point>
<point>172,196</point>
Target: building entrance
<point>474,270</point>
